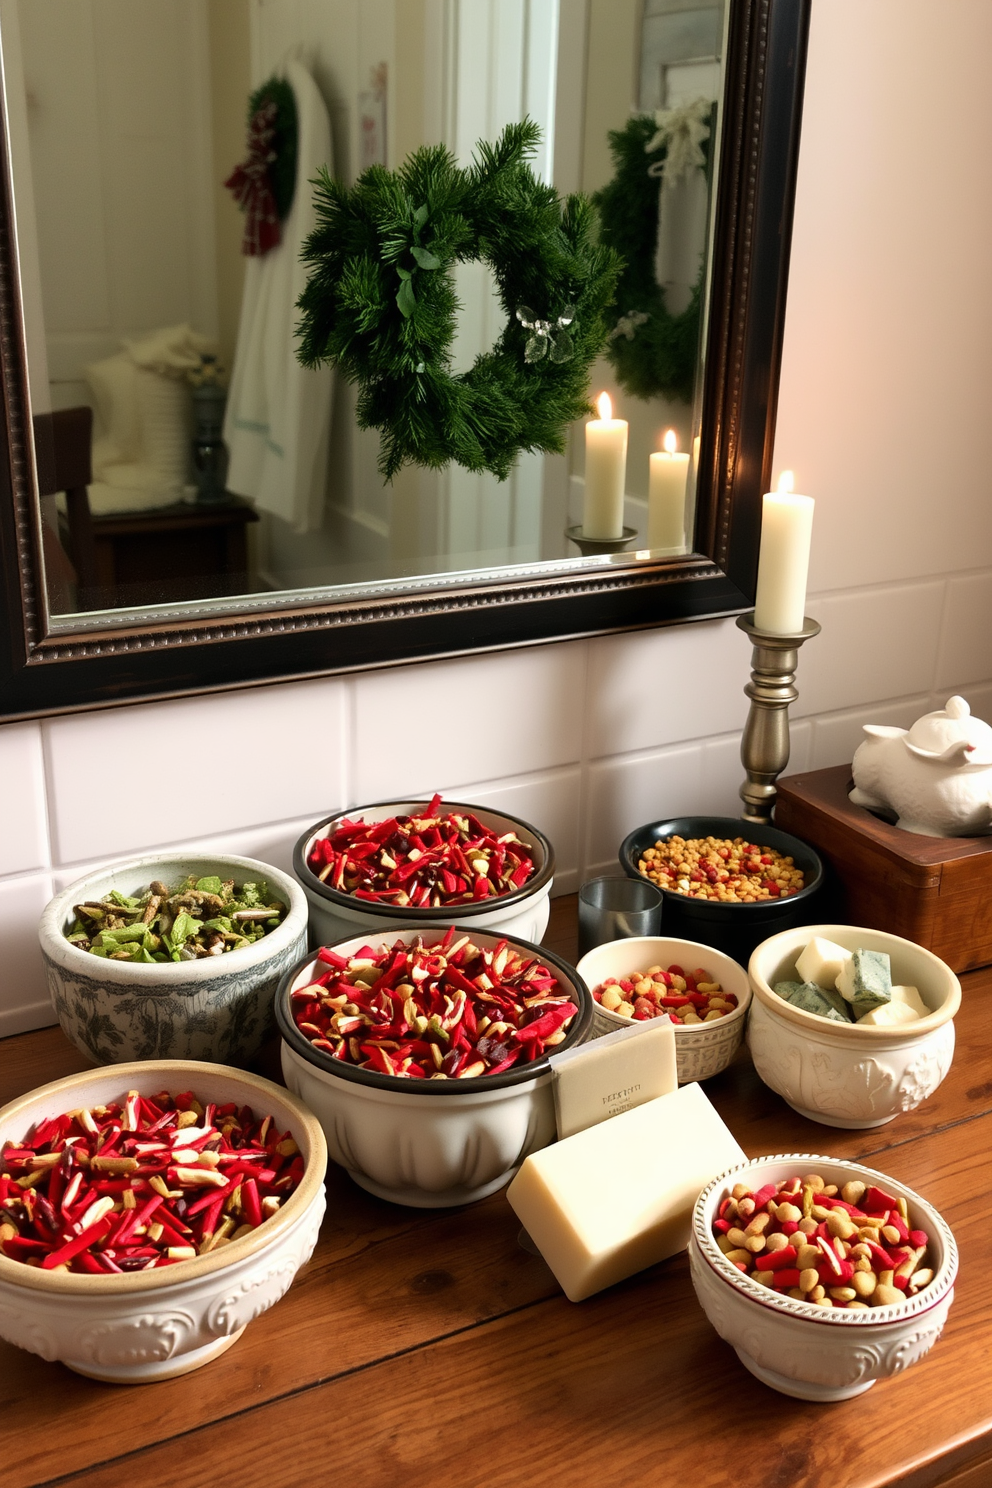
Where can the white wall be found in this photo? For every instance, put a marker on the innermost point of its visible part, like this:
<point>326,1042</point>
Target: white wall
<point>889,313</point>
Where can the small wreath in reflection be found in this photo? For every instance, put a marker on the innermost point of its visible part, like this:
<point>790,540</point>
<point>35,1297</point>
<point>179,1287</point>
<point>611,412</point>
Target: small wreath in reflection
<point>380,303</point>
<point>653,352</point>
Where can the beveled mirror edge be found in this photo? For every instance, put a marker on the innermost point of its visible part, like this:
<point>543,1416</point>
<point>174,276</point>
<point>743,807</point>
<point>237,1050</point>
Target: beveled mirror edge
<point>44,670</point>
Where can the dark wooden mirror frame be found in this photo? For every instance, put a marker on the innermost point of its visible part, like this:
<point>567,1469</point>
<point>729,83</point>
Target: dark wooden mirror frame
<point>46,668</point>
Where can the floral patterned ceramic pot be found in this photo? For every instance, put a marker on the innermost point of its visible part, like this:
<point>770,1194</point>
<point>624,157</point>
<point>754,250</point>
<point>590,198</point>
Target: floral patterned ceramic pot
<point>142,1326</point>
<point>841,1074</point>
<point>219,1007</point>
<point>795,1347</point>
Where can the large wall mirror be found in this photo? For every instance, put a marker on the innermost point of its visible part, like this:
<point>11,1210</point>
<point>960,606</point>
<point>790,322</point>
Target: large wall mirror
<point>184,507</point>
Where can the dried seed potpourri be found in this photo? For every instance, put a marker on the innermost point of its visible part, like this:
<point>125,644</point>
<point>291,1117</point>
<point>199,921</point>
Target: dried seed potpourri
<point>731,871</point>
<point>142,1183</point>
<point>416,862</point>
<point>851,1248</point>
<point>449,1010</point>
<point>200,917</point>
<point>686,997</point>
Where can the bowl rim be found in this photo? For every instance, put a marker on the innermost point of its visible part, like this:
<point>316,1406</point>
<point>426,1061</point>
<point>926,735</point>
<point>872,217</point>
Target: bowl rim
<point>63,953</point>
<point>667,827</point>
<point>447,1089</point>
<point>137,1282</point>
<point>700,1030</point>
<point>427,914</point>
<point>812,1022</point>
<point>806,1312</point>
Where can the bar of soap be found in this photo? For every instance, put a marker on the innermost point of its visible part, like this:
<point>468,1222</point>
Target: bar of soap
<point>618,1196</point>
<point>811,999</point>
<point>911,997</point>
<point>888,1014</point>
<point>866,982</point>
<point>822,962</point>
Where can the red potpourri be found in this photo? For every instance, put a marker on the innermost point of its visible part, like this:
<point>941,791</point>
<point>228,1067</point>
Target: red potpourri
<point>851,1248</point>
<point>142,1183</point>
<point>449,1010</point>
<point>417,862</point>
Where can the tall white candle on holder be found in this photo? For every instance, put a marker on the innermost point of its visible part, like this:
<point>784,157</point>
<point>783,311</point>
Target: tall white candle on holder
<point>666,496</point>
<point>783,559</point>
<point>606,472</point>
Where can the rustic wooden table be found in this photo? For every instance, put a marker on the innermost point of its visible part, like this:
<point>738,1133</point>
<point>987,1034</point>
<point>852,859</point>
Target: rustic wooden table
<point>426,1348</point>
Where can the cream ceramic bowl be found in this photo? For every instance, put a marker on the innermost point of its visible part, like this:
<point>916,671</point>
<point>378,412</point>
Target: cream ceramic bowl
<point>145,1326</point>
<point>219,1007</point>
<point>701,1050</point>
<point>334,915</point>
<point>426,1143</point>
<point>837,1073</point>
<point>795,1347</point>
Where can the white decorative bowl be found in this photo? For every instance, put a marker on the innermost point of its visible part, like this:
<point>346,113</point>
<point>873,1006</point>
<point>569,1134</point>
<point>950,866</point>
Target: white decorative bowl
<point>839,1073</point>
<point>219,1007</point>
<point>702,1049</point>
<point>335,915</point>
<point>798,1348</point>
<point>151,1325</point>
<point>426,1143</point>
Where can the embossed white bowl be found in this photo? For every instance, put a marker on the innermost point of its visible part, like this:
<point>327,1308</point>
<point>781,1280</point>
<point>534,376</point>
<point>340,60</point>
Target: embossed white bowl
<point>701,1049</point>
<point>151,1325</point>
<point>334,915</point>
<point>795,1347</point>
<point>430,1144</point>
<point>839,1073</point>
<point>218,1007</point>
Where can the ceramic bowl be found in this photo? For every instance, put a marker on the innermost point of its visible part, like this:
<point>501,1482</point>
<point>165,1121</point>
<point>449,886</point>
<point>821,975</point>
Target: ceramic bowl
<point>427,1143</point>
<point>701,1050</point>
<point>152,1325</point>
<point>837,1073</point>
<point>335,915</point>
<point>219,1007</point>
<point>795,1347</point>
<point>734,929</point>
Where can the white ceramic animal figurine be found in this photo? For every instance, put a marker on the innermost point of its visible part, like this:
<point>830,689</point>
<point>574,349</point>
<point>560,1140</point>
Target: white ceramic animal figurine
<point>937,775</point>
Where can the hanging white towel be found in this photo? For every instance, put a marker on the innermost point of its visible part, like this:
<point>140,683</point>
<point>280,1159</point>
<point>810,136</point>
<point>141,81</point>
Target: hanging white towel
<point>278,414</point>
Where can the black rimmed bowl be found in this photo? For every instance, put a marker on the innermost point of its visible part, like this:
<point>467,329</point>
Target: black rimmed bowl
<point>429,1144</point>
<point>734,929</point>
<point>334,914</point>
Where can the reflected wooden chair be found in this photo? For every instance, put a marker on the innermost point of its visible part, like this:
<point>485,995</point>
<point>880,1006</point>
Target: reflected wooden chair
<point>63,442</point>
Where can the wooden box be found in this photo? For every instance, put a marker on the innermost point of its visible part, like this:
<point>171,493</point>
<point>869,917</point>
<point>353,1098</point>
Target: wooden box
<point>934,890</point>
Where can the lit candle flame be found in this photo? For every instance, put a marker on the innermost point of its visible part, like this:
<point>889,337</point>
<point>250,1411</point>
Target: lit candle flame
<point>605,406</point>
<point>670,442</point>
<point>786,483</point>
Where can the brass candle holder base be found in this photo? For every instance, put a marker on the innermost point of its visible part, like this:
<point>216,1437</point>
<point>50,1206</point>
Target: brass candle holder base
<point>765,742</point>
<point>590,546</point>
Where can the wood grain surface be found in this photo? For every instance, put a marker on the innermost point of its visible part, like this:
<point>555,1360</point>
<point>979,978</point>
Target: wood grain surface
<point>426,1347</point>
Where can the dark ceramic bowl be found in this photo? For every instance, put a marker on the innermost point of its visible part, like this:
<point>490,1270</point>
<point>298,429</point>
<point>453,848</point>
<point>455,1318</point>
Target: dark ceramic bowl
<point>734,929</point>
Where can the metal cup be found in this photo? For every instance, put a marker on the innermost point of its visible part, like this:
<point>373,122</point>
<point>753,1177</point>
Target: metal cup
<point>615,908</point>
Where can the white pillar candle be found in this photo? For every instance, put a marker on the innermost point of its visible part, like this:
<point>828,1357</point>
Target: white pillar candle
<point>666,496</point>
<point>783,560</point>
<point>606,471</point>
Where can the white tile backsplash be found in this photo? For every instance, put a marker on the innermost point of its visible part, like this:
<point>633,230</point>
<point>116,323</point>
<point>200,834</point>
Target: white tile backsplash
<point>875,644</point>
<point>653,687</point>
<point>23,819</point>
<point>478,718</point>
<point>964,642</point>
<point>24,1000</point>
<point>586,739</point>
<point>162,773</point>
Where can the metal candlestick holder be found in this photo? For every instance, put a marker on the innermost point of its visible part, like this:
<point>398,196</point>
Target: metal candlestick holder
<point>590,546</point>
<point>765,742</point>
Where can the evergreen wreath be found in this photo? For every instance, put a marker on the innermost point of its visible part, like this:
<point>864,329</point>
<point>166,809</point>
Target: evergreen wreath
<point>264,183</point>
<point>380,303</point>
<point>652,351</point>
<point>282,169</point>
